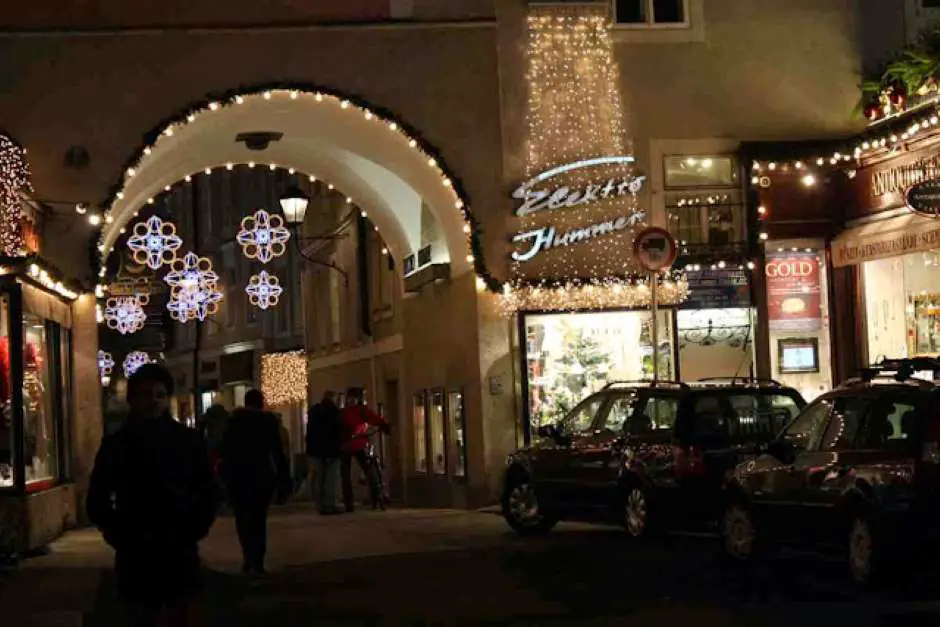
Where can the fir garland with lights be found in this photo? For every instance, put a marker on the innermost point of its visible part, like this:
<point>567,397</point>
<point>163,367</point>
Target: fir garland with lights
<point>294,90</point>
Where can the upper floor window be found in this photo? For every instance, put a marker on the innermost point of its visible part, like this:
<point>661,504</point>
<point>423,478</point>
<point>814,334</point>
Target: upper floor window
<point>652,13</point>
<point>704,201</point>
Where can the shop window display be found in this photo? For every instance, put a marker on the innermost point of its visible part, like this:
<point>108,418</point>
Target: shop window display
<point>6,408</point>
<point>456,422</point>
<point>418,416</point>
<point>436,431</point>
<point>569,356</point>
<point>39,424</point>
<point>902,306</point>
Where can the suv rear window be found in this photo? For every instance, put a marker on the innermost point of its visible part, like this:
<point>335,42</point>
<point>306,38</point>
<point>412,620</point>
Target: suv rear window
<point>760,414</point>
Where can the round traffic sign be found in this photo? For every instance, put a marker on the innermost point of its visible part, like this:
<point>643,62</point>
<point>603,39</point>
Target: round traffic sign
<point>654,249</point>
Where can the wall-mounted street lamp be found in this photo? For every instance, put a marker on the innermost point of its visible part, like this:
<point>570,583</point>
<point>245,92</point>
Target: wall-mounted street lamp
<point>294,205</point>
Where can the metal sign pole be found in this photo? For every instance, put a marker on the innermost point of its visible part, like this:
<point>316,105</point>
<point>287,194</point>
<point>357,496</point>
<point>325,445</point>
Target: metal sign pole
<point>654,325</point>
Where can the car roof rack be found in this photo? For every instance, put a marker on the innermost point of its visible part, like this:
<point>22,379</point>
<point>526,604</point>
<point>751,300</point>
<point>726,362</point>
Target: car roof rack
<point>741,380</point>
<point>647,383</point>
<point>897,371</point>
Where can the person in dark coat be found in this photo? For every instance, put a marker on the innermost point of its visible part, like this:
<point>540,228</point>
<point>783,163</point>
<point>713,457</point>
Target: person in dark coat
<point>153,497</point>
<point>325,448</point>
<point>255,470</point>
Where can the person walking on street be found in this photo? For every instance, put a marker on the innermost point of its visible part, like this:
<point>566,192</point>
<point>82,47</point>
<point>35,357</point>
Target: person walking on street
<point>325,448</point>
<point>255,471</point>
<point>152,495</point>
<point>356,420</point>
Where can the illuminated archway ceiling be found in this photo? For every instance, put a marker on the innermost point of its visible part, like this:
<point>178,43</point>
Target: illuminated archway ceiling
<point>368,159</point>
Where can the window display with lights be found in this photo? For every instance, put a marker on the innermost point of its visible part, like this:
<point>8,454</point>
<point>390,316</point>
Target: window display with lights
<point>34,390</point>
<point>569,356</point>
<point>902,305</point>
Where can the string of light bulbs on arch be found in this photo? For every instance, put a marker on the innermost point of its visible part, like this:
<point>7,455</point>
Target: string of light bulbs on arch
<point>385,122</point>
<point>884,137</point>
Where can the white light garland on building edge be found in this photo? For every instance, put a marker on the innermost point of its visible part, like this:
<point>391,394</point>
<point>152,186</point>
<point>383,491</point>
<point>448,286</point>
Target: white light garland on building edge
<point>125,314</point>
<point>284,378</point>
<point>594,295</point>
<point>263,236</point>
<point>14,182</point>
<point>317,97</point>
<point>264,290</point>
<point>154,242</point>
<point>134,361</point>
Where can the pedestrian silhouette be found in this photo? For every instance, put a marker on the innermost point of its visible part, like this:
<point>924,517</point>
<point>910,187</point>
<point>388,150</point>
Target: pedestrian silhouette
<point>325,448</point>
<point>255,471</point>
<point>153,497</point>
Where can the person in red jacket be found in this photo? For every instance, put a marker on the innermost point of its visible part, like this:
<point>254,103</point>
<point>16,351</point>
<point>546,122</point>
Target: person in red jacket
<point>356,420</point>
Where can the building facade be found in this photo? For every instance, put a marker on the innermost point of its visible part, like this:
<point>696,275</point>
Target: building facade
<point>436,121</point>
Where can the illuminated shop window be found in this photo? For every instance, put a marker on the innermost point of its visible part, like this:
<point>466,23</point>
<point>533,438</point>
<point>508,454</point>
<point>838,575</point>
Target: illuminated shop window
<point>573,355</point>
<point>40,431</point>
<point>7,464</point>
<point>436,431</point>
<point>457,430</point>
<point>419,421</point>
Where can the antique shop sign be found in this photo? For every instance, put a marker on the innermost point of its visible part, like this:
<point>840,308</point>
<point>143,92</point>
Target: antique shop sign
<point>899,178</point>
<point>924,197</point>
<point>793,291</point>
<point>910,240</point>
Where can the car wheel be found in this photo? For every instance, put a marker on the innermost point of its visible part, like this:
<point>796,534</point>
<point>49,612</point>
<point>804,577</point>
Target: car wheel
<point>738,532</point>
<point>860,550</point>
<point>523,511</point>
<point>636,512</point>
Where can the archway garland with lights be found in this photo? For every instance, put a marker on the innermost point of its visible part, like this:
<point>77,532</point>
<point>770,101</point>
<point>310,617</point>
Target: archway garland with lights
<point>167,127</point>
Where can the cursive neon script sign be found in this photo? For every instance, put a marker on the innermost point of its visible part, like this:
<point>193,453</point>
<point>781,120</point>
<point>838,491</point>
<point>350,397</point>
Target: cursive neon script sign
<point>545,238</point>
<point>536,199</point>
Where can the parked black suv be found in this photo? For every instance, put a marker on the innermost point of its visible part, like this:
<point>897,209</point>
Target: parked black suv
<point>857,470</point>
<point>647,455</point>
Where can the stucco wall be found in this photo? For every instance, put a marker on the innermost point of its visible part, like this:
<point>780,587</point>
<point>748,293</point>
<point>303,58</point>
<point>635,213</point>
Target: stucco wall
<point>105,92</point>
<point>86,421</point>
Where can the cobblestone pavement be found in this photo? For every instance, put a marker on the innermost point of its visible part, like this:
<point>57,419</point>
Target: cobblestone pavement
<point>408,567</point>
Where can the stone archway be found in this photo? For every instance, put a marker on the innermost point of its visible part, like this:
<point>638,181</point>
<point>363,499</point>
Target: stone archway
<point>376,161</point>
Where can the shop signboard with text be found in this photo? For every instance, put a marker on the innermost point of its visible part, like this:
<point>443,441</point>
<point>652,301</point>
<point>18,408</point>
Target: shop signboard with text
<point>793,291</point>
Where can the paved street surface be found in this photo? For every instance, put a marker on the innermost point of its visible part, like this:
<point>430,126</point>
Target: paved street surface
<point>409,567</point>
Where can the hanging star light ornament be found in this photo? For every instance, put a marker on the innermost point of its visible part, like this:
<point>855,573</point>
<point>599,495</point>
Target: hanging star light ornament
<point>134,361</point>
<point>263,236</point>
<point>194,291</point>
<point>264,290</point>
<point>125,314</point>
<point>105,363</point>
<point>14,181</point>
<point>154,242</point>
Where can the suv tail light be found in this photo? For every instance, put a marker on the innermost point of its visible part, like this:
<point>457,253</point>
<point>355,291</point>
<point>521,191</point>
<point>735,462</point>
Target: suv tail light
<point>689,461</point>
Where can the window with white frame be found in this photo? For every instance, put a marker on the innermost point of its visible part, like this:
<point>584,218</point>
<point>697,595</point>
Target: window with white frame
<point>704,201</point>
<point>651,13</point>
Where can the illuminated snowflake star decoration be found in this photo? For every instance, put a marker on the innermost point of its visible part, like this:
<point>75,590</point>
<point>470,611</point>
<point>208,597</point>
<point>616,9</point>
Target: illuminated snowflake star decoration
<point>264,290</point>
<point>135,360</point>
<point>154,242</point>
<point>263,236</point>
<point>105,363</point>
<point>194,291</point>
<point>125,314</point>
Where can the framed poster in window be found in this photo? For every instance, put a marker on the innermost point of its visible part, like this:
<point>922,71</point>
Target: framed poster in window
<point>795,355</point>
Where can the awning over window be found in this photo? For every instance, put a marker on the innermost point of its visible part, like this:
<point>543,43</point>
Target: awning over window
<point>891,237</point>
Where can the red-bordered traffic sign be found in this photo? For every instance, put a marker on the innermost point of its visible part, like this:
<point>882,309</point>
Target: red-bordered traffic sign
<point>654,249</point>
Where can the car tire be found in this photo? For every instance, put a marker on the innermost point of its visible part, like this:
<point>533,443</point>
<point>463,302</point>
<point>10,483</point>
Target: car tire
<point>636,512</point>
<point>740,539</point>
<point>522,509</point>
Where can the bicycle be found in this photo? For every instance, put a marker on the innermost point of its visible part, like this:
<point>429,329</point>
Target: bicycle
<point>376,467</point>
